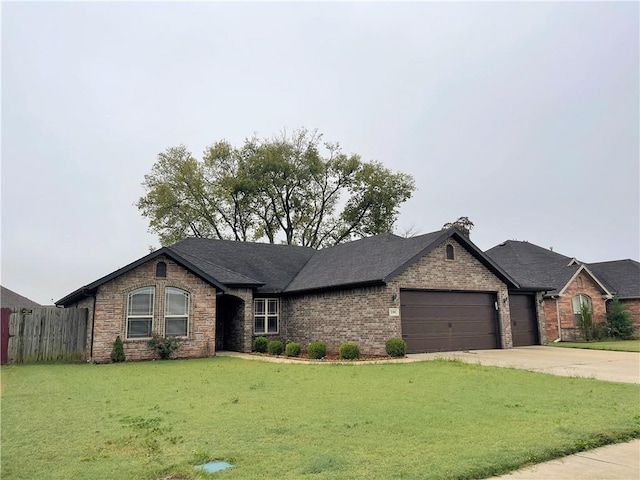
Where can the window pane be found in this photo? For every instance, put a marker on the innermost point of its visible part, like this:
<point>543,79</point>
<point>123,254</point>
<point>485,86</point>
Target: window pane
<point>141,302</point>
<point>273,306</point>
<point>586,301</point>
<point>139,328</point>
<point>177,302</point>
<point>258,306</point>
<point>273,324</point>
<point>576,304</point>
<point>259,325</point>
<point>176,327</point>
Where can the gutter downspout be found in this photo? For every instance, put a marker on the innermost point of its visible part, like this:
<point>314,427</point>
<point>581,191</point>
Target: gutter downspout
<point>559,339</point>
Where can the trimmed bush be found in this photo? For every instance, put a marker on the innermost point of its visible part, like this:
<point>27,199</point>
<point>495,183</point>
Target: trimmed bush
<point>317,350</point>
<point>117,353</point>
<point>619,323</point>
<point>163,346</point>
<point>292,349</point>
<point>275,347</point>
<point>396,347</point>
<point>349,350</point>
<point>260,344</point>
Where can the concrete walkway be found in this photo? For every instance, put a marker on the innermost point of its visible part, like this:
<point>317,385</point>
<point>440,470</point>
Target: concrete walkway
<point>569,362</point>
<point>613,462</point>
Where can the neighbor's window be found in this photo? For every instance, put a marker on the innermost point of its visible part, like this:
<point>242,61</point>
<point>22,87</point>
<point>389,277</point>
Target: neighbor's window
<point>140,313</point>
<point>161,269</point>
<point>176,312</point>
<point>450,252</point>
<point>578,302</point>
<point>265,314</point>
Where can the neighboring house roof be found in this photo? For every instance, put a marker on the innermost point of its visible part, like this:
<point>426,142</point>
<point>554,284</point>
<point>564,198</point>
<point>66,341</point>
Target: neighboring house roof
<point>622,276</point>
<point>271,268</point>
<point>532,265</point>
<point>11,299</point>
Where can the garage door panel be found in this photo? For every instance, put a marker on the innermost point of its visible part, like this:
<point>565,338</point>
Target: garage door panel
<point>524,324</point>
<point>440,321</point>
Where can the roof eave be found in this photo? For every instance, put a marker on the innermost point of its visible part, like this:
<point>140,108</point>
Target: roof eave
<point>330,288</point>
<point>93,287</point>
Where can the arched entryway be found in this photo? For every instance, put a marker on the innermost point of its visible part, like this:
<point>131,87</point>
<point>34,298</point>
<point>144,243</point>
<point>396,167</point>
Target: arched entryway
<point>230,323</point>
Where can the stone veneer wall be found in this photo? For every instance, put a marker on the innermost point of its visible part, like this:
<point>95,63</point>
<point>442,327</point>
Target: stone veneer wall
<point>362,314</point>
<point>563,306</point>
<point>111,312</point>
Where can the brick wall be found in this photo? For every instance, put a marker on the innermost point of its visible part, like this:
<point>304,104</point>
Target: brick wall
<point>111,312</point>
<point>563,306</point>
<point>362,314</point>
<point>633,306</point>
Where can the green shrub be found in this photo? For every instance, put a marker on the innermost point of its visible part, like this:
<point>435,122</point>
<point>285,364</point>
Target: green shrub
<point>260,344</point>
<point>585,322</point>
<point>275,347</point>
<point>317,350</point>
<point>396,347</point>
<point>349,350</point>
<point>117,353</point>
<point>293,349</point>
<point>163,346</point>
<point>619,323</point>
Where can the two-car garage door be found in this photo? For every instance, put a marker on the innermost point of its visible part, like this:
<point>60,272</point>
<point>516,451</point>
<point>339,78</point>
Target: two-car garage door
<point>444,321</point>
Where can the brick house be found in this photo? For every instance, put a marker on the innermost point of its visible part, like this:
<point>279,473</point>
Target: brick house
<point>569,284</point>
<point>437,291</point>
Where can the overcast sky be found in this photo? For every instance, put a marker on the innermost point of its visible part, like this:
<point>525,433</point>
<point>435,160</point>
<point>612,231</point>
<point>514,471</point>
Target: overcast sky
<point>522,116</point>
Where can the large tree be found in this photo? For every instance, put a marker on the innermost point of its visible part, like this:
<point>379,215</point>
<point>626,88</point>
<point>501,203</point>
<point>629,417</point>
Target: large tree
<point>293,188</point>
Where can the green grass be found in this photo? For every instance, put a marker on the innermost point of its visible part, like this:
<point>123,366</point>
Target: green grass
<point>620,345</point>
<point>426,420</point>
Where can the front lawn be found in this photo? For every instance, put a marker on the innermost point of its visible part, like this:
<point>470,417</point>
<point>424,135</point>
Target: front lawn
<point>439,419</point>
<point>620,345</point>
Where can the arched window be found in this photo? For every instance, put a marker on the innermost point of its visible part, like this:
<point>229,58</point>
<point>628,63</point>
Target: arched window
<point>140,313</point>
<point>450,252</point>
<point>580,301</point>
<point>176,312</point>
<point>161,269</point>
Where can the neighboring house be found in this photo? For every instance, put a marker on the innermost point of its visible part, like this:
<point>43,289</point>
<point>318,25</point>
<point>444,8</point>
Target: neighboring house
<point>437,291</point>
<point>569,284</point>
<point>11,299</point>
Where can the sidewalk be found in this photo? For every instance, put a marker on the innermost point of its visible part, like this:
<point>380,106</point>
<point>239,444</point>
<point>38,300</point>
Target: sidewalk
<point>613,462</point>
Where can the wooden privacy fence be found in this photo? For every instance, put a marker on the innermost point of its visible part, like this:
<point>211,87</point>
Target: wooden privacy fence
<point>46,334</point>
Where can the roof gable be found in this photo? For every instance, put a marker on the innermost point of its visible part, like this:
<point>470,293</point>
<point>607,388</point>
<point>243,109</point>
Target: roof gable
<point>81,293</point>
<point>622,277</point>
<point>584,269</point>
<point>375,260</point>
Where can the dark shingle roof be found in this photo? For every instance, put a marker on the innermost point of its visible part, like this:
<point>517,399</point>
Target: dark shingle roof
<point>270,266</point>
<point>375,260</point>
<point>622,276</point>
<point>273,268</point>
<point>533,266</point>
<point>11,299</point>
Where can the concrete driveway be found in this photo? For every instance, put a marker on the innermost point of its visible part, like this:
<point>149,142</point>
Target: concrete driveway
<point>569,362</point>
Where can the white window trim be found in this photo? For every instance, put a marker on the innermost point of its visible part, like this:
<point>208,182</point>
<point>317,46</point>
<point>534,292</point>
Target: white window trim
<point>266,316</point>
<point>140,317</point>
<point>186,317</point>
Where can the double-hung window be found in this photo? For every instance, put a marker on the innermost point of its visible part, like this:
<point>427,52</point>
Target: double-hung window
<point>140,313</point>
<point>266,315</point>
<point>176,312</point>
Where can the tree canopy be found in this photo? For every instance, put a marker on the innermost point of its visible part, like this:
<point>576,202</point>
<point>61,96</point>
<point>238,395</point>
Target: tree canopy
<point>292,188</point>
<point>463,224</point>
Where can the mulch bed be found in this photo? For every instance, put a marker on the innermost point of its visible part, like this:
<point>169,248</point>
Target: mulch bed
<point>329,358</point>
